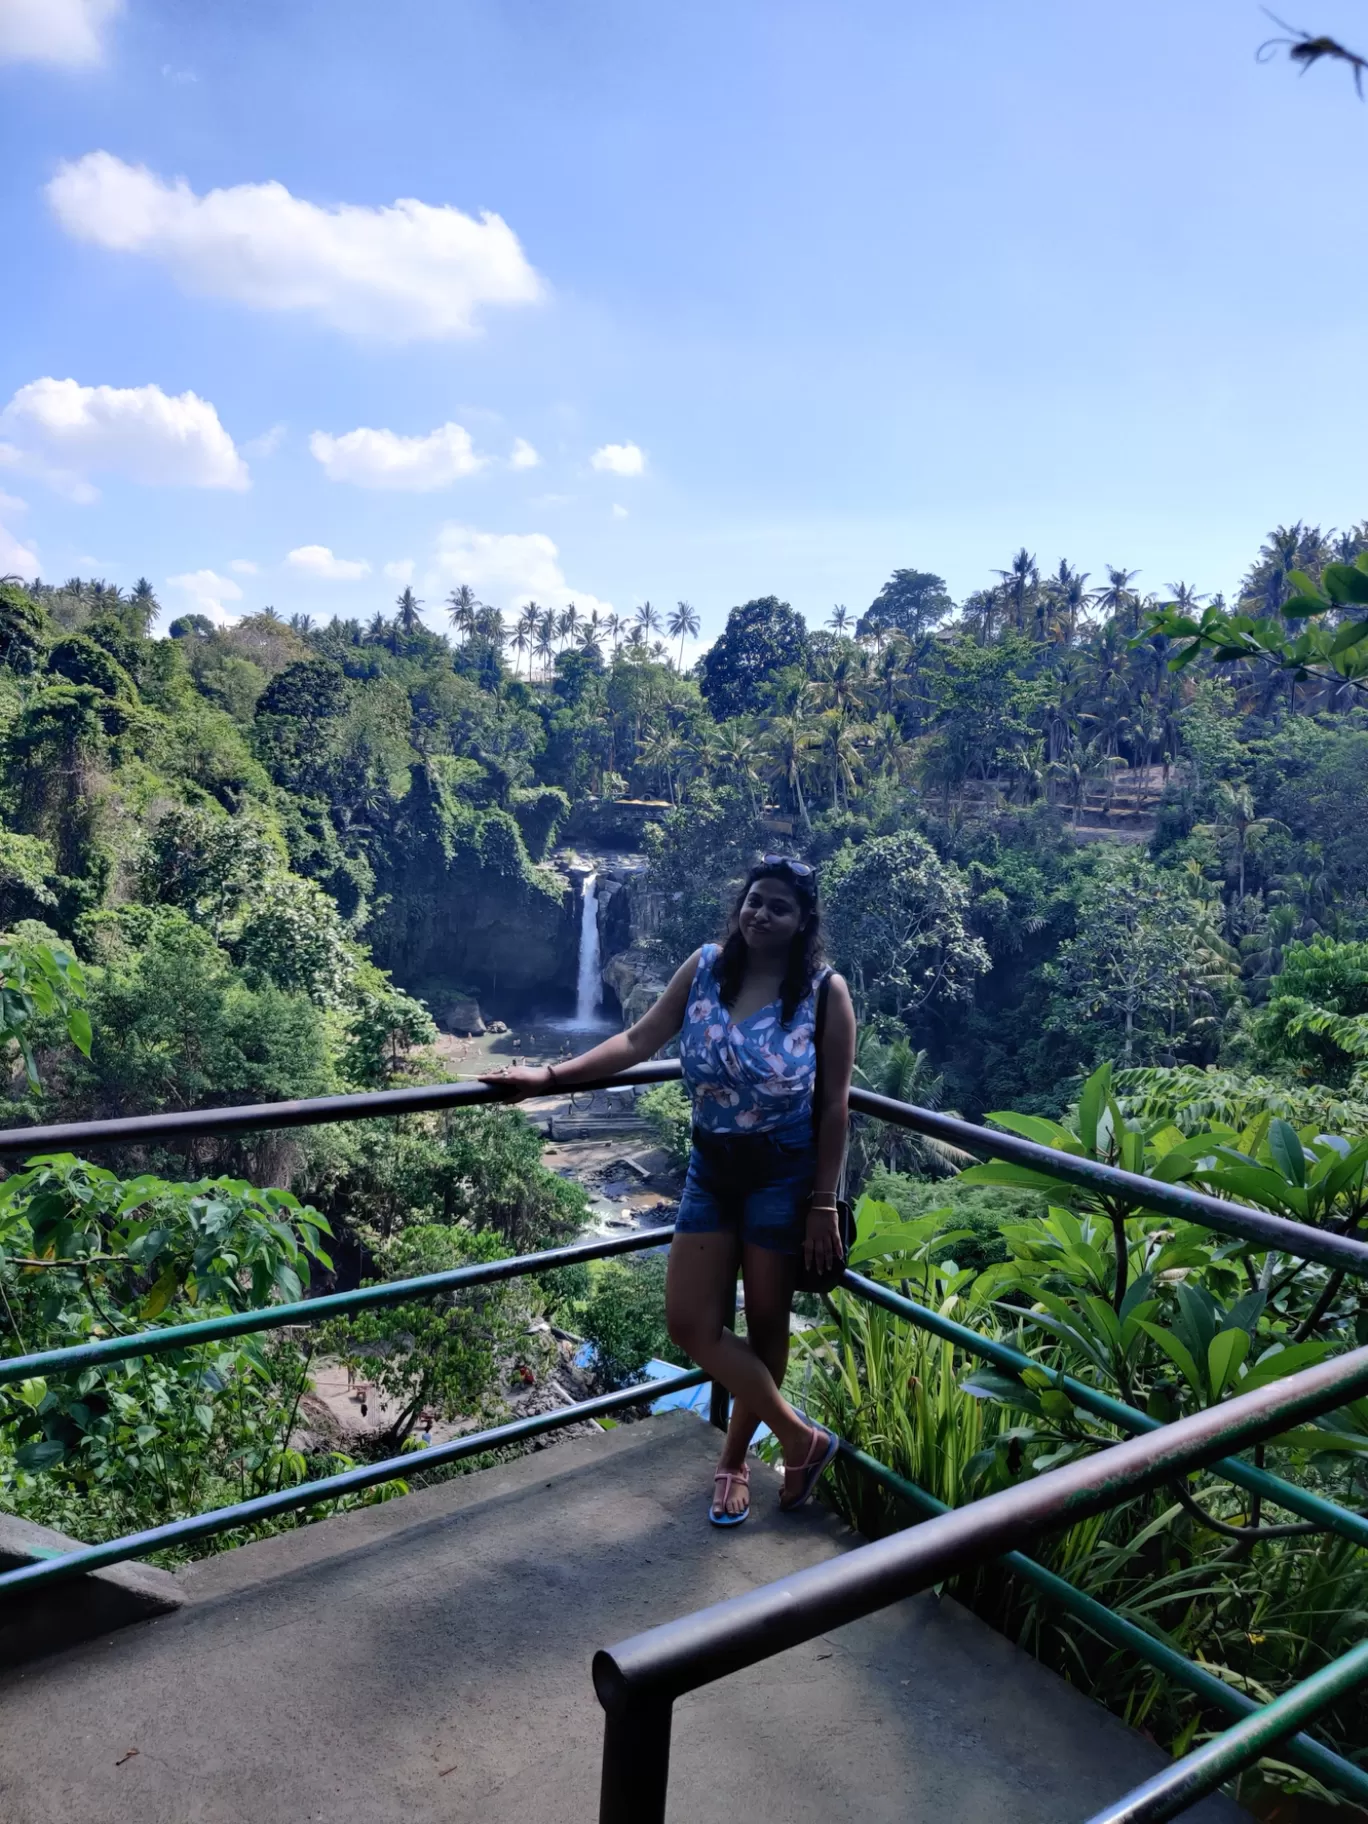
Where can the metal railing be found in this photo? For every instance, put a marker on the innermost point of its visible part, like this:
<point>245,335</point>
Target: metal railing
<point>638,1680</point>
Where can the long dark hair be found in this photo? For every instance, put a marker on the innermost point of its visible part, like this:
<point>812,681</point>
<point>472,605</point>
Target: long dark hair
<point>805,950</point>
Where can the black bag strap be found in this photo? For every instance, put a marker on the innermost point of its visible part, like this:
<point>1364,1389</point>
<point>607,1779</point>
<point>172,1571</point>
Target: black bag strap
<point>818,1034</point>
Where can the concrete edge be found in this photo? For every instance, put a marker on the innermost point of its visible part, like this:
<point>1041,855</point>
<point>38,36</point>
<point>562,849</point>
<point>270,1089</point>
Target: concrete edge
<point>34,1623</point>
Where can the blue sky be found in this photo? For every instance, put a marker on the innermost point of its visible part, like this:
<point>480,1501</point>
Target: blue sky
<point>838,288</point>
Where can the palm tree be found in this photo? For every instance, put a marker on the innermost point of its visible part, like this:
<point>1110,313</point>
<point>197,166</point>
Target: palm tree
<point>840,752</point>
<point>790,742</point>
<point>407,603</point>
<point>1020,586</point>
<point>893,1068</point>
<point>302,623</point>
<point>1185,597</point>
<point>522,642</point>
<point>1118,601</point>
<point>268,613</point>
<point>647,620</point>
<point>489,625</point>
<point>587,639</point>
<point>839,619</point>
<point>683,623</point>
<point>568,622</point>
<point>739,756</point>
<point>462,608</point>
<point>1068,596</point>
<point>544,646</point>
<point>377,629</point>
<point>661,752</point>
<point>890,753</point>
<point>1237,828</point>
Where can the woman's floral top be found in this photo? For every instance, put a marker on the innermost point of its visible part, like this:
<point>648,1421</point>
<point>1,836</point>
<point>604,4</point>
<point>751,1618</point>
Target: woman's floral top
<point>755,1077</point>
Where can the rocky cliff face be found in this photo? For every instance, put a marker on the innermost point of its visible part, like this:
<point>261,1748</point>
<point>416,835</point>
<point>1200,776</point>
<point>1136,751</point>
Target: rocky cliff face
<point>466,911</point>
<point>628,914</point>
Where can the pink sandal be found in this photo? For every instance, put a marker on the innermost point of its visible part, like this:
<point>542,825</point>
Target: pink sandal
<point>825,1445</point>
<point>717,1508</point>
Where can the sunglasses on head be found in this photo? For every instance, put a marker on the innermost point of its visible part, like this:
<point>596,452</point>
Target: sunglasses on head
<point>799,869</point>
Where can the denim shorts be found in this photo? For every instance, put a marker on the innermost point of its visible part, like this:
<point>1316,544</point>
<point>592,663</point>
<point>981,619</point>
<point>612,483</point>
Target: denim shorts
<point>753,1186</point>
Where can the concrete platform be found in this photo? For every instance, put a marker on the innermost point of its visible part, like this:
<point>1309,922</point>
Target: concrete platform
<point>429,1660</point>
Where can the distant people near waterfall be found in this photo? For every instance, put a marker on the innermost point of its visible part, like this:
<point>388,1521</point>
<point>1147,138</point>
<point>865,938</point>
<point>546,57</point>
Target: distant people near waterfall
<point>767,1044</point>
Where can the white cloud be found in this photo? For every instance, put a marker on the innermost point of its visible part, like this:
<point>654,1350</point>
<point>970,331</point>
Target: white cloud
<point>65,430</point>
<point>524,456</point>
<point>318,560</point>
<point>508,568</point>
<point>267,444</point>
<point>618,459</point>
<point>205,592</point>
<point>16,559</point>
<point>68,32</point>
<point>401,570</point>
<point>406,271</point>
<point>11,503</point>
<point>619,512</point>
<point>383,459</point>
<point>244,566</point>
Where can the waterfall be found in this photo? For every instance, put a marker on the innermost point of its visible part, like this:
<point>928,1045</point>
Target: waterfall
<point>589,994</point>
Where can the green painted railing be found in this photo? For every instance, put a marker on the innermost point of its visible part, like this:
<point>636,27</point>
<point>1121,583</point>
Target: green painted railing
<point>634,1763</point>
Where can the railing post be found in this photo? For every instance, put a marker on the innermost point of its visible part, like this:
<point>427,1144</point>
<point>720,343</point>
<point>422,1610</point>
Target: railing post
<point>719,1400</point>
<point>636,1763</point>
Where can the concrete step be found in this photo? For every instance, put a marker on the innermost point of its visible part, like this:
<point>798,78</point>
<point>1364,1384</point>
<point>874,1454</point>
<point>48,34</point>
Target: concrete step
<point>428,1660</point>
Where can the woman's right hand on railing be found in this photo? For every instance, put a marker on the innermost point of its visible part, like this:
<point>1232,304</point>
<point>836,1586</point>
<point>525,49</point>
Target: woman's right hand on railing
<point>517,1081</point>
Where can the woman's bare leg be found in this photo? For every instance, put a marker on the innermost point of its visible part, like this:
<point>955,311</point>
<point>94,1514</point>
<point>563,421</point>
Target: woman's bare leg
<point>768,1276</point>
<point>698,1288</point>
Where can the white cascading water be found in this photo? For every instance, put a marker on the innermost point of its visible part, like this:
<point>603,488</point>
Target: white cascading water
<point>589,992</point>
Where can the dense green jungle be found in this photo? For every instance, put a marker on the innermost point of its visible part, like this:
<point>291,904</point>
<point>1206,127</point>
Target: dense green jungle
<point>1093,860</point>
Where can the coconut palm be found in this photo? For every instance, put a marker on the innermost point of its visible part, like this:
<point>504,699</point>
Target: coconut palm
<point>521,642</point>
<point>683,624</point>
<point>647,620</point>
<point>740,757</point>
<point>891,1067</point>
<point>839,740</point>
<point>613,630</point>
<point>462,608</point>
<point>568,623</point>
<point>407,604</point>
<point>1117,600</point>
<point>839,619</point>
<point>1020,588</point>
<point>1185,597</point>
<point>790,744</point>
<point>1237,828</point>
<point>302,623</point>
<point>660,754</point>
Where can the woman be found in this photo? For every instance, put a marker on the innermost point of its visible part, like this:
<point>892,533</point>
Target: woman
<point>761,1187</point>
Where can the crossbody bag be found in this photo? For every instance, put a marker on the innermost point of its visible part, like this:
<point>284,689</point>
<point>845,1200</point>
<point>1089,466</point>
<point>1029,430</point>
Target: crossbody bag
<point>813,1279</point>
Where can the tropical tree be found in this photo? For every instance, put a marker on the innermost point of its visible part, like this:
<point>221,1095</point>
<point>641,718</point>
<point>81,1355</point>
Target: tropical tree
<point>790,743</point>
<point>683,624</point>
<point>1237,827</point>
<point>407,605</point>
<point>462,608</point>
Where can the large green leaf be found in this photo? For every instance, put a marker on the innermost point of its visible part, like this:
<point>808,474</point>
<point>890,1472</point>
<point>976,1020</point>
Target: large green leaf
<point>1285,1150</point>
<point>1225,1354</point>
<point>1091,1103</point>
<point>1275,1364</point>
<point>1037,1128</point>
<point>1178,1353</point>
<point>999,1171</point>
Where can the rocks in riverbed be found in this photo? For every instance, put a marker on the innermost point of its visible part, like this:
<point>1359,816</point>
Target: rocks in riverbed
<point>463,1017</point>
